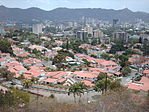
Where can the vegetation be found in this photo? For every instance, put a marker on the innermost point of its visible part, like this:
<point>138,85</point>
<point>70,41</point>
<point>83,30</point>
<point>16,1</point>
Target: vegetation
<point>130,52</point>
<point>101,76</point>
<point>145,49</point>
<point>74,45</point>
<point>5,46</point>
<point>4,73</point>
<point>86,62</point>
<point>27,83</point>
<point>125,71</point>
<point>77,89</point>
<point>13,98</point>
<point>102,85</point>
<point>123,60</point>
<point>106,56</point>
<point>59,59</point>
<point>66,53</point>
<point>116,48</point>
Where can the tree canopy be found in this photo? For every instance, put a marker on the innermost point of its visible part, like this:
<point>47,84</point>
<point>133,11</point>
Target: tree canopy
<point>5,46</point>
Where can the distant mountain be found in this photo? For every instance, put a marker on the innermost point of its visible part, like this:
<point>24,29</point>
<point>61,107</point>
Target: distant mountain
<point>65,14</point>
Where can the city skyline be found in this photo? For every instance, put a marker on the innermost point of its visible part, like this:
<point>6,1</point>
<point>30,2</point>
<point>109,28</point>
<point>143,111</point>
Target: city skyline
<point>133,5</point>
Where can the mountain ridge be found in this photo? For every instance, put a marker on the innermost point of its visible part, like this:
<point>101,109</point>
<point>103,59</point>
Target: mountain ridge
<point>70,14</point>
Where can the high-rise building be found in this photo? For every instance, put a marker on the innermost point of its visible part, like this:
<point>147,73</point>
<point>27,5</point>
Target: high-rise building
<point>98,33</point>
<point>2,31</point>
<point>89,30</point>
<point>115,21</point>
<point>37,28</point>
<point>82,35</point>
<point>120,36</point>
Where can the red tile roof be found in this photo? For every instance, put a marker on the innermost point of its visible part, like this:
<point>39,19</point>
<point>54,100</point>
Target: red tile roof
<point>143,84</point>
<point>88,83</point>
<point>85,74</point>
<point>50,80</point>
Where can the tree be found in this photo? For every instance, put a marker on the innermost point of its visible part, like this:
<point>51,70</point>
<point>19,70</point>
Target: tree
<point>106,56</point>
<point>86,62</point>
<point>140,40</point>
<point>103,46</point>
<point>94,42</point>
<point>66,53</point>
<point>102,85</point>
<point>116,48</point>
<point>130,52</point>
<point>21,77</point>
<point>77,89</point>
<point>4,73</point>
<point>101,76</point>
<point>5,46</point>
<point>123,60</point>
<point>59,59</point>
<point>125,71</point>
<point>27,83</point>
<point>115,85</point>
<point>34,80</point>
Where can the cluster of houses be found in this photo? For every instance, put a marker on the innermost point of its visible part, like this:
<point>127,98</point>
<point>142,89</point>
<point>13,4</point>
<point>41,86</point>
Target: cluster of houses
<point>31,67</point>
<point>143,84</point>
<point>96,50</point>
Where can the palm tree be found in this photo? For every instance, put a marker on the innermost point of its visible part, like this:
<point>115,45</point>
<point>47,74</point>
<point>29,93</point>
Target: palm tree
<point>27,83</point>
<point>83,88</point>
<point>77,89</point>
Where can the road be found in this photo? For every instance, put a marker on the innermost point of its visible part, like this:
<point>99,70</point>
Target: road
<point>126,80</point>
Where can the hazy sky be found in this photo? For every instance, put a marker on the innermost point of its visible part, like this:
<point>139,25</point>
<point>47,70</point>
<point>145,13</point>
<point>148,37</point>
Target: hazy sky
<point>135,5</point>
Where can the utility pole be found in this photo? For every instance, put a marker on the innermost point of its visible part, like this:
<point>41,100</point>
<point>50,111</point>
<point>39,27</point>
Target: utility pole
<point>67,44</point>
<point>106,83</point>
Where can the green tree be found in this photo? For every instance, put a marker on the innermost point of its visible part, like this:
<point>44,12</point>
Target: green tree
<point>123,60</point>
<point>86,62</point>
<point>130,52</point>
<point>103,46</point>
<point>125,71</point>
<point>5,46</point>
<point>102,85</point>
<point>106,56</point>
<point>27,83</point>
<point>115,85</point>
<point>59,59</point>
<point>77,89</point>
<point>117,47</point>
<point>101,76</point>
<point>4,73</point>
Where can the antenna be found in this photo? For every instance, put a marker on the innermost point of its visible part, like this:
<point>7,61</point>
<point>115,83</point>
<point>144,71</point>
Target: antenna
<point>125,4</point>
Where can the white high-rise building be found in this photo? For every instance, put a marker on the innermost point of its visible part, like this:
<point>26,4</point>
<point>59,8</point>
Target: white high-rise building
<point>89,30</point>
<point>37,28</point>
<point>2,31</point>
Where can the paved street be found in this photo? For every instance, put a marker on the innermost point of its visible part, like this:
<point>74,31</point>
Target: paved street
<point>126,80</point>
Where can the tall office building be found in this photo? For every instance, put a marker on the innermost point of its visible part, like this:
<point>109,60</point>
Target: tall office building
<point>2,31</point>
<point>37,28</point>
<point>82,35</point>
<point>115,22</point>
